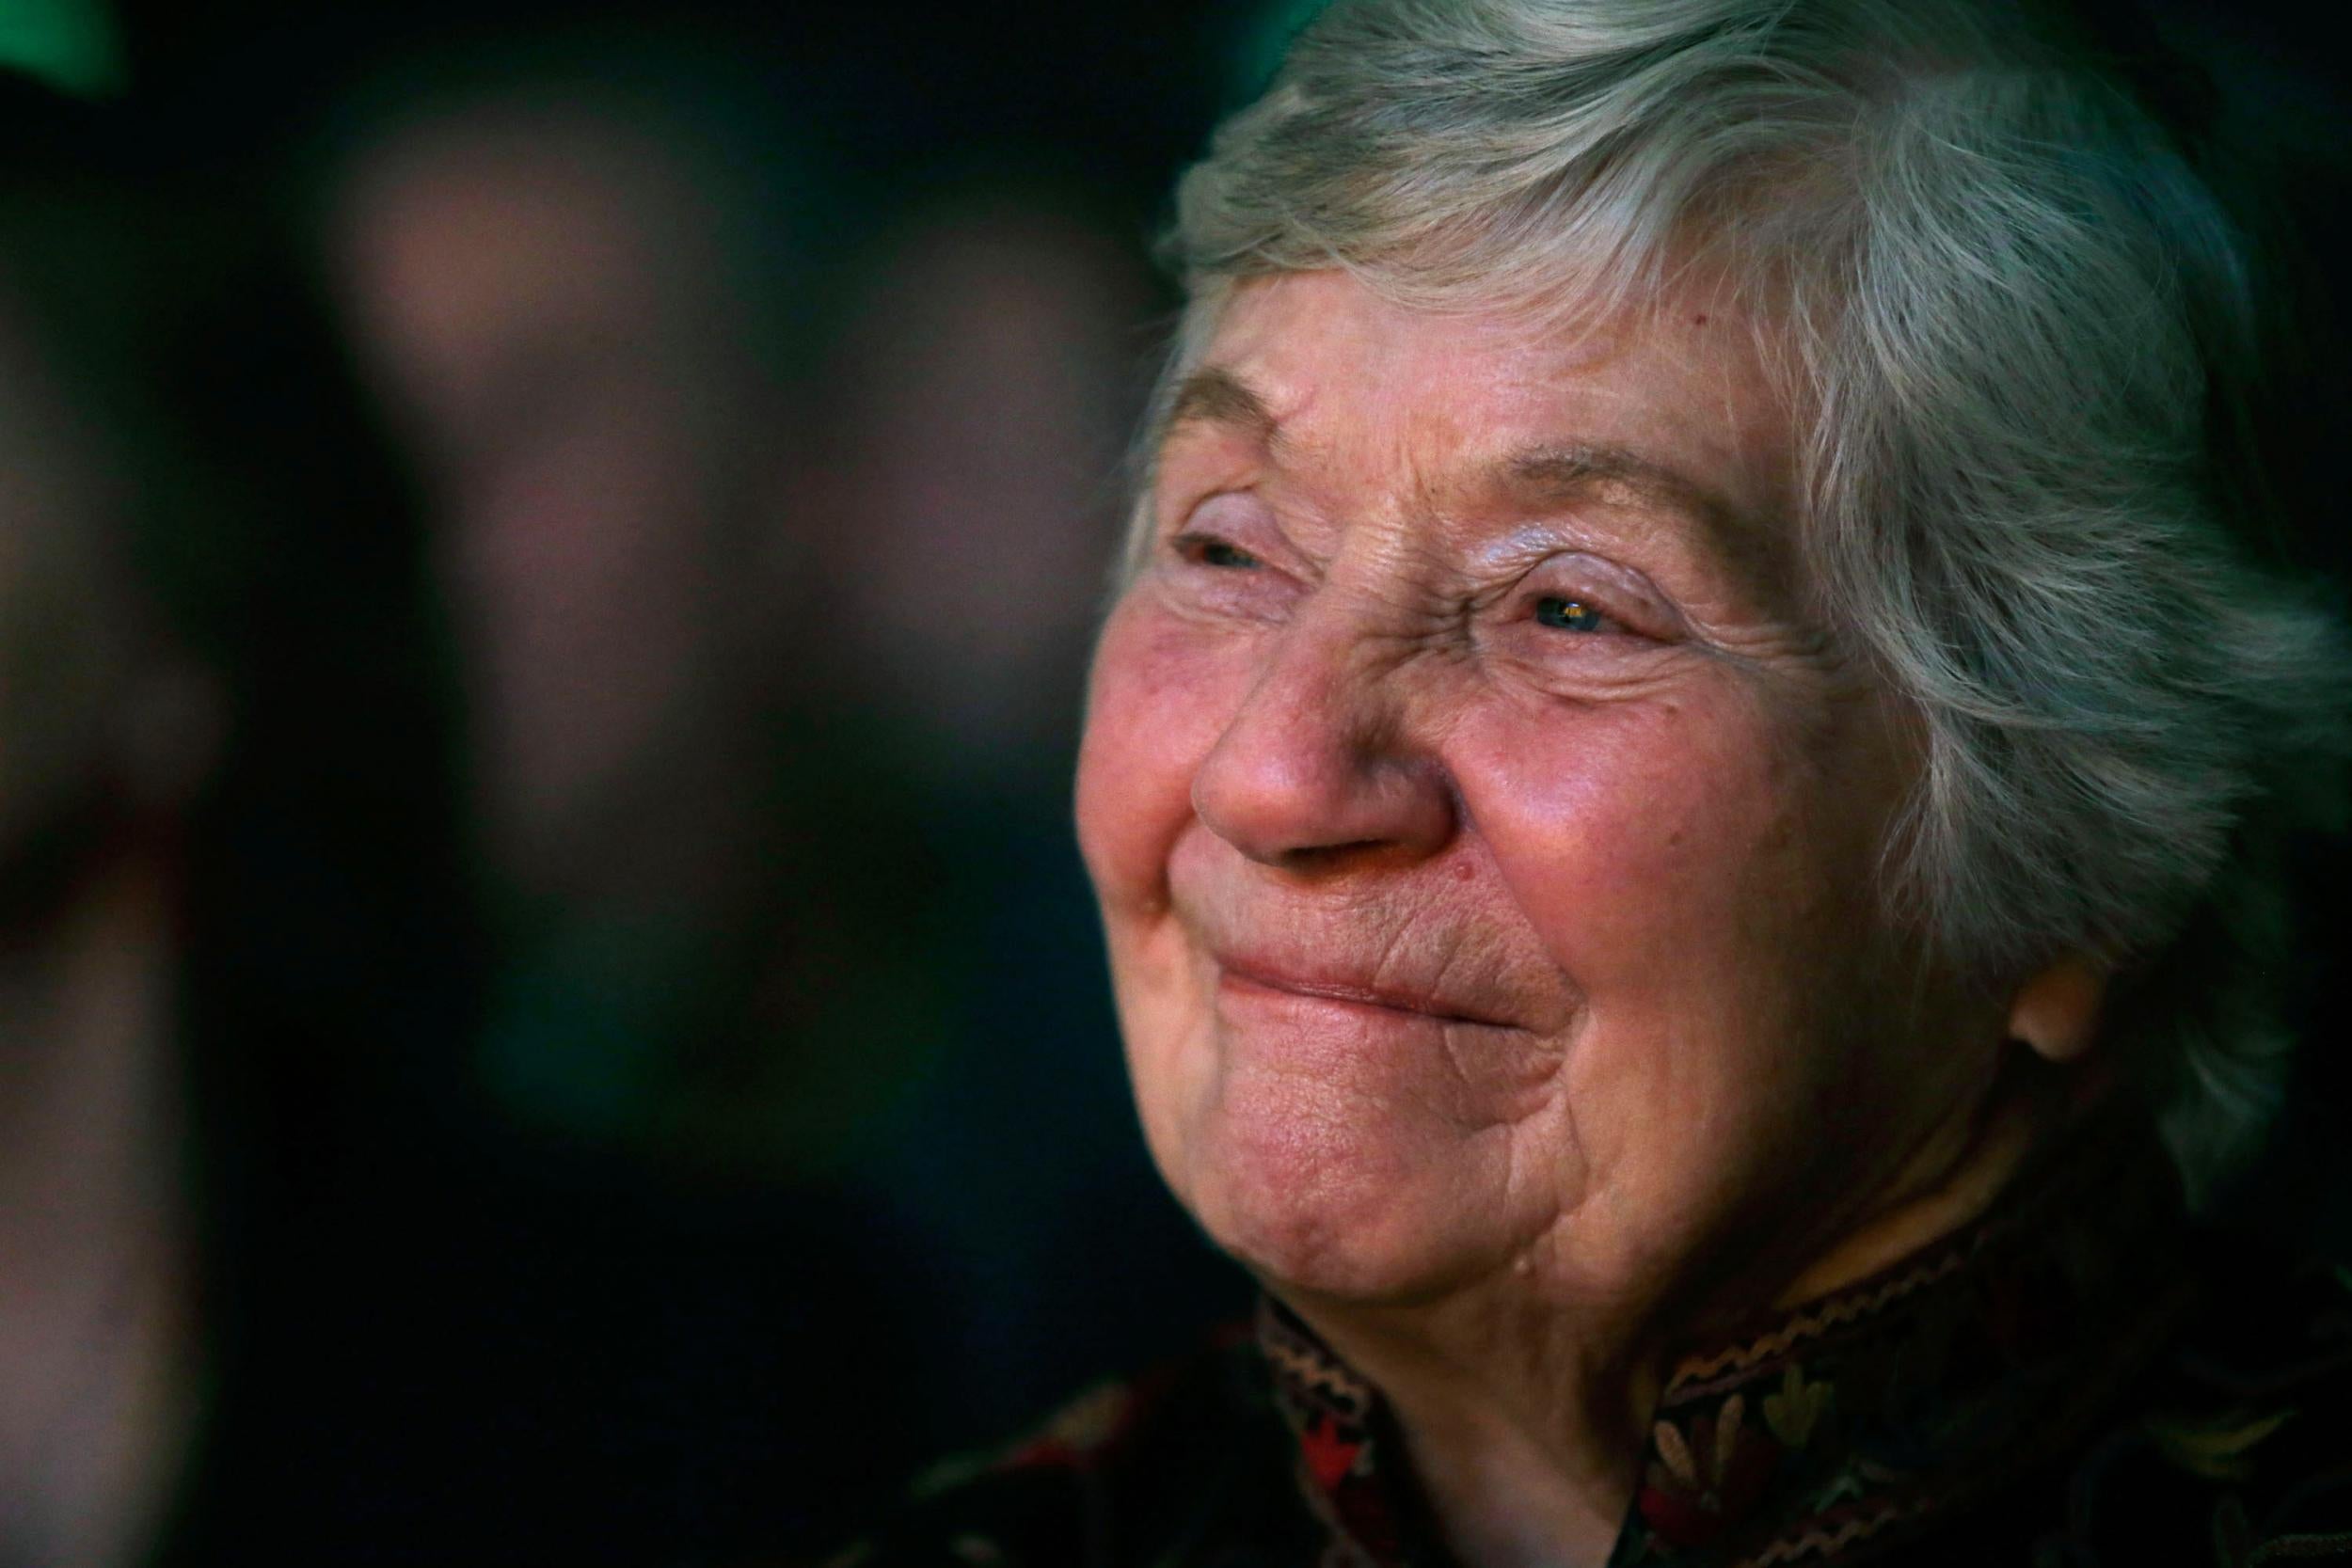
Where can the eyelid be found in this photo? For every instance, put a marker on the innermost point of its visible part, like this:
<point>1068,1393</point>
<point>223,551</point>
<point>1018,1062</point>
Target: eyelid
<point>1623,595</point>
<point>1173,516</point>
<point>1238,517</point>
<point>1176,500</point>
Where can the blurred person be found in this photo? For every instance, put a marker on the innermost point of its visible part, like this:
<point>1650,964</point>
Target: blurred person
<point>784,903</point>
<point>990,363</point>
<point>154,667</point>
<point>388,1325</point>
<point>716,947</point>
<point>543,293</point>
<point>986,382</point>
<point>409,1327</point>
<point>587,317</point>
<point>106,730</point>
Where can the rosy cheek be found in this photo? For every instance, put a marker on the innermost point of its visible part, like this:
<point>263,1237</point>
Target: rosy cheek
<point>1160,697</point>
<point>1621,830</point>
<point>1158,701</point>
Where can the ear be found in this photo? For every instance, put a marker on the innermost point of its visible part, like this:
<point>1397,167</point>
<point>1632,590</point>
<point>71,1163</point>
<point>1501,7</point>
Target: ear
<point>2056,1011</point>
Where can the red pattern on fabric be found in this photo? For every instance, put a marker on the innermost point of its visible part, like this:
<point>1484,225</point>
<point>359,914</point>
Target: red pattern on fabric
<point>1816,1427</point>
<point>1731,1465</point>
<point>1331,1454</point>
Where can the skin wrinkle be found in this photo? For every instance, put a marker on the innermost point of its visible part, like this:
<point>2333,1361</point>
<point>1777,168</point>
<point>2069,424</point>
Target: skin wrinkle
<point>1361,761</point>
<point>1711,624</point>
<point>1214,395</point>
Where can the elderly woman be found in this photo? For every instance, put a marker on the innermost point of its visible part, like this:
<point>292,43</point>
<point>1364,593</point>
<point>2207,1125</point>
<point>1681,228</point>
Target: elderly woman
<point>1685,786</point>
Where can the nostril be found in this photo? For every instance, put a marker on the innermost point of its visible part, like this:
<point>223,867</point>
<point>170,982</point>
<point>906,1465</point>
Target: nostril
<point>1322,763</point>
<point>1307,808</point>
<point>1316,856</point>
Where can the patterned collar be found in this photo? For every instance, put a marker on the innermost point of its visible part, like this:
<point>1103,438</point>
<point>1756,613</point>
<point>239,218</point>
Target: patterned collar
<point>1854,1419</point>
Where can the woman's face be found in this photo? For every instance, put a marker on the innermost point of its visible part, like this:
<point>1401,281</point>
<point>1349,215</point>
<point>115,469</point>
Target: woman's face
<point>1486,842</point>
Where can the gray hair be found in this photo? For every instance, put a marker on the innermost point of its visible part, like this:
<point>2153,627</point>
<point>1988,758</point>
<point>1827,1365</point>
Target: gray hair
<point>2022,328</point>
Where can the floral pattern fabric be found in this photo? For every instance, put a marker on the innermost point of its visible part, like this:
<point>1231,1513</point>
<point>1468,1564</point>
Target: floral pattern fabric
<point>2078,1381</point>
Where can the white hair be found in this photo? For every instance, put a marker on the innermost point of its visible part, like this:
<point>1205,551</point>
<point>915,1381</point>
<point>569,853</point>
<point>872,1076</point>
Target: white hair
<point>2022,329</point>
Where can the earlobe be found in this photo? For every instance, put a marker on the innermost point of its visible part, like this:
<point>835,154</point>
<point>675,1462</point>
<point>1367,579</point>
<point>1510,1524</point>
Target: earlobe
<point>2056,1011</point>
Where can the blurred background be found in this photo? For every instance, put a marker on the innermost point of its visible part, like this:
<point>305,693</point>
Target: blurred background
<point>548,1011</point>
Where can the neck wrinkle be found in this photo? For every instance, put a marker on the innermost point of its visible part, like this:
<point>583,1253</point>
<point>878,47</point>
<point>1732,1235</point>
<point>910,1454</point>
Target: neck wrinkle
<point>1387,1453</point>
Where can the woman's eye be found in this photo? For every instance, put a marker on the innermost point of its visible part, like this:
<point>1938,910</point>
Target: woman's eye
<point>1216,552</point>
<point>1569,614</point>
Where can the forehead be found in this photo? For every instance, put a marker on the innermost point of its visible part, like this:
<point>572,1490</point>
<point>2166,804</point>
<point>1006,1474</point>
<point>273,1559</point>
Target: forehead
<point>1667,404</point>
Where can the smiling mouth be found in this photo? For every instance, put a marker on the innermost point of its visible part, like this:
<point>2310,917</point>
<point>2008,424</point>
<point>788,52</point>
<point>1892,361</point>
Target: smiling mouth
<point>1251,977</point>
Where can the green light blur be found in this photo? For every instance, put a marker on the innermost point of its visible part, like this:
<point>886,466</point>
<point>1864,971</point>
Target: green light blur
<point>70,44</point>
<point>1267,38</point>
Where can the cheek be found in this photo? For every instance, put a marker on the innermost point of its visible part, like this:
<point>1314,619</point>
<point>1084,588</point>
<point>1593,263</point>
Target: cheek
<point>1160,697</point>
<point>1704,891</point>
<point>1643,839</point>
<point>1155,704</point>
<point>1606,823</point>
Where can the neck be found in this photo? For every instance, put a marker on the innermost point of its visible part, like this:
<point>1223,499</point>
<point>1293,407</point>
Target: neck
<point>1526,1423</point>
<point>1522,1428</point>
<point>1941,1190</point>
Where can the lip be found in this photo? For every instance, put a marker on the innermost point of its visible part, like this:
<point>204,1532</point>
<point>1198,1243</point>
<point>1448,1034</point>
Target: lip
<point>1257,975</point>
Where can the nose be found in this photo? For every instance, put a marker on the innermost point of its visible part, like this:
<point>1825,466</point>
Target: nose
<point>1317,768</point>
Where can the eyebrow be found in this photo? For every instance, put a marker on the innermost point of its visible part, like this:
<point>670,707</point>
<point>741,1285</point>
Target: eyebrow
<point>1217,396</point>
<point>1565,471</point>
<point>1551,473</point>
<point>1749,545</point>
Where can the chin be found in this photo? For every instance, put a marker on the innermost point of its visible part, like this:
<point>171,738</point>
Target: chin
<point>1335,1218</point>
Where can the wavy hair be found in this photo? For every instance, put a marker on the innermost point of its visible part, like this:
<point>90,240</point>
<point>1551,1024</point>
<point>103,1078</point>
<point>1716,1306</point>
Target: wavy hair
<point>2022,331</point>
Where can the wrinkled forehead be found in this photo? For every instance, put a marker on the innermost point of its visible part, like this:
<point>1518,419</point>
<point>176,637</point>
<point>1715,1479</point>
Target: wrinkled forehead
<point>1665,406</point>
